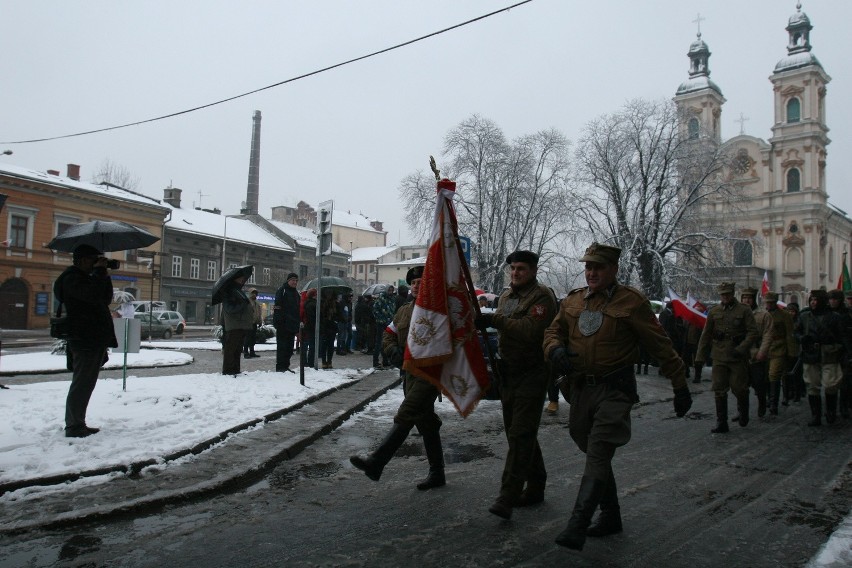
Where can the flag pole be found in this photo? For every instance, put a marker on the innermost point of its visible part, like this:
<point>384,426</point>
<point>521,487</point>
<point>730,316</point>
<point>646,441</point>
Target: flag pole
<point>471,290</point>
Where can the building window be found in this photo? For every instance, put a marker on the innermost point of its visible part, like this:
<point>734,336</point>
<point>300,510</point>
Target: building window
<point>177,266</point>
<point>360,269</point>
<point>742,253</point>
<point>372,269</point>
<point>794,110</point>
<point>63,223</point>
<point>692,127</point>
<point>793,180</point>
<point>267,276</point>
<point>251,279</point>
<point>303,272</point>
<point>211,270</point>
<point>326,272</point>
<point>341,274</point>
<point>18,229</point>
<point>194,268</point>
<point>131,255</point>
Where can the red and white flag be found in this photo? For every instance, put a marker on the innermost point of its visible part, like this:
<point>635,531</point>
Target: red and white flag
<point>764,286</point>
<point>688,311</point>
<point>443,347</point>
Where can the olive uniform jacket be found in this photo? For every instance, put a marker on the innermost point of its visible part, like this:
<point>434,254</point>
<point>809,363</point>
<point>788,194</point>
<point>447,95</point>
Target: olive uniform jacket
<point>521,317</point>
<point>763,321</point>
<point>782,343</point>
<point>400,324</point>
<point>730,331</point>
<point>628,322</point>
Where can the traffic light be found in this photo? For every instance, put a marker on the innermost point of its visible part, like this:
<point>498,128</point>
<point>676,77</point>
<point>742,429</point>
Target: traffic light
<point>324,231</point>
<point>324,224</point>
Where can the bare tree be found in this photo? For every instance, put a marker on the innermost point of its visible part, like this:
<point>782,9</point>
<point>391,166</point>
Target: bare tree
<point>116,174</point>
<point>641,186</point>
<point>509,195</point>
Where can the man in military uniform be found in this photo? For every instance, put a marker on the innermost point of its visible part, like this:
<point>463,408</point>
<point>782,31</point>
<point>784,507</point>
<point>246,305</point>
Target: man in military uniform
<point>728,335</point>
<point>825,346</point>
<point>594,341</point>
<point>417,408</point>
<point>782,348</point>
<point>758,367</point>
<point>523,312</point>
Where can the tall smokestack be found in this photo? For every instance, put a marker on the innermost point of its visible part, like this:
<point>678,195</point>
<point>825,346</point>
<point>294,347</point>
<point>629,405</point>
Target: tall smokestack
<point>253,191</point>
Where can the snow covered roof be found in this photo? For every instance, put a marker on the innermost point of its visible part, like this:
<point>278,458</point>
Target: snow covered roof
<point>371,254</point>
<point>213,225</point>
<point>344,218</point>
<point>304,236</point>
<point>105,190</point>
<point>697,83</point>
<point>797,60</point>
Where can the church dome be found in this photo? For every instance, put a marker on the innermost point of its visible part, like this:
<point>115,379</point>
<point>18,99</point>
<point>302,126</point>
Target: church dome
<point>799,18</point>
<point>697,83</point>
<point>698,46</point>
<point>796,61</point>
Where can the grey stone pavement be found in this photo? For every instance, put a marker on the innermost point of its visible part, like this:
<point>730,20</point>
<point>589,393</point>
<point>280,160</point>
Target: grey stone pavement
<point>241,455</point>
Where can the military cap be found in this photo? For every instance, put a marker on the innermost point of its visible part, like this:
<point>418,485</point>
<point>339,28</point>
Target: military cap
<point>725,288</point>
<point>603,254</point>
<point>835,295</point>
<point>525,256</point>
<point>749,292</point>
<point>413,273</point>
<point>771,297</point>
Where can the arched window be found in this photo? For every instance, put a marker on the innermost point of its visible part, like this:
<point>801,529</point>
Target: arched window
<point>793,180</point>
<point>692,127</point>
<point>742,253</point>
<point>794,110</point>
<point>794,260</point>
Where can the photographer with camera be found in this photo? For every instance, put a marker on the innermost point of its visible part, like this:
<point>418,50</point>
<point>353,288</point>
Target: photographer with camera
<point>85,291</point>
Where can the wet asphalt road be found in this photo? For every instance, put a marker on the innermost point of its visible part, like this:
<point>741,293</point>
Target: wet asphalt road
<point>766,495</point>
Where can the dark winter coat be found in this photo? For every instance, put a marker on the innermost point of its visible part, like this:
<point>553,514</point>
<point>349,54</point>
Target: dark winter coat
<point>86,299</point>
<point>285,315</point>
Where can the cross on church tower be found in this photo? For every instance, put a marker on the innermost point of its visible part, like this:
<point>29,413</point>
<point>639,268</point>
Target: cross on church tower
<point>698,21</point>
<point>742,120</point>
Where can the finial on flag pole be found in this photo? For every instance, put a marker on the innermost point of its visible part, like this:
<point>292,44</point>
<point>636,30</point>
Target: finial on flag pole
<point>435,169</point>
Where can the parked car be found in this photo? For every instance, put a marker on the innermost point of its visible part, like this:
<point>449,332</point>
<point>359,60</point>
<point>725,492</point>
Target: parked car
<point>142,307</point>
<point>153,327</point>
<point>172,318</point>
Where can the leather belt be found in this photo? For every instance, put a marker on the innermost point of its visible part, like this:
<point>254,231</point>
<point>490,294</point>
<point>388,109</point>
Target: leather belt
<point>606,378</point>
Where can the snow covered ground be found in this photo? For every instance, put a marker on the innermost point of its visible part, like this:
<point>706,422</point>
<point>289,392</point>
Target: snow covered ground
<point>153,417</point>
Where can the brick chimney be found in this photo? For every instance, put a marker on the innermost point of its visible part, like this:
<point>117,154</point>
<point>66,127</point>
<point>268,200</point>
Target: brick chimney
<point>53,172</point>
<point>74,172</point>
<point>253,189</point>
<point>171,195</point>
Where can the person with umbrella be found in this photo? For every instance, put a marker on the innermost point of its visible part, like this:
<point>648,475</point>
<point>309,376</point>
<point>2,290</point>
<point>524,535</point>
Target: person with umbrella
<point>237,314</point>
<point>286,319</point>
<point>85,289</point>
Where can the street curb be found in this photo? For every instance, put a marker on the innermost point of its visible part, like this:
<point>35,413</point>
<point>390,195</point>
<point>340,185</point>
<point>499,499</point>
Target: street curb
<point>237,477</point>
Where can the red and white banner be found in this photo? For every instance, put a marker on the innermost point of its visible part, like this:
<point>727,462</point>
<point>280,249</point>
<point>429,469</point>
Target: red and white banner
<point>443,347</point>
<point>690,311</point>
<point>764,286</point>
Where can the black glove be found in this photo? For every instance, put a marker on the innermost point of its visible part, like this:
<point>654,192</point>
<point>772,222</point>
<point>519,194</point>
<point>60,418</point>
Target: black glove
<point>397,356</point>
<point>561,360</point>
<point>682,401</point>
<point>484,320</point>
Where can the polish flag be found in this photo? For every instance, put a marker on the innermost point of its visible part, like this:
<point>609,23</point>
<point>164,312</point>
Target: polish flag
<point>443,347</point>
<point>689,313</point>
<point>764,286</point>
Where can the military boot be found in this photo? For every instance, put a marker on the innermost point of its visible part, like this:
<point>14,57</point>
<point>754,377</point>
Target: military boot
<point>830,408</point>
<point>609,519</point>
<point>721,416</point>
<point>786,383</point>
<point>698,369</point>
<point>816,410</point>
<point>374,463</point>
<point>843,401</point>
<point>435,455</point>
<point>761,401</point>
<point>774,394</point>
<point>742,410</point>
<point>588,497</point>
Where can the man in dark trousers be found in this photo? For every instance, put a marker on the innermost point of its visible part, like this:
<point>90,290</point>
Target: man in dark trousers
<point>594,341</point>
<point>85,290</point>
<point>285,318</point>
<point>417,408</point>
<point>523,313</point>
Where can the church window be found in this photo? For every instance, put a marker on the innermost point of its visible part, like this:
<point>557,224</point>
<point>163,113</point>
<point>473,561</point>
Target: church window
<point>793,180</point>
<point>742,253</point>
<point>742,163</point>
<point>794,110</point>
<point>794,260</point>
<point>692,127</point>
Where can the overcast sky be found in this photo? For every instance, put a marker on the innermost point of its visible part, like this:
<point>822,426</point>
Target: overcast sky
<point>352,133</point>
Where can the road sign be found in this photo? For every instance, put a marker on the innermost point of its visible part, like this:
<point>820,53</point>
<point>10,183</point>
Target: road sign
<point>465,244</point>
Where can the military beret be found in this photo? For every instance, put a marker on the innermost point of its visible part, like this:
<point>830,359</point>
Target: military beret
<point>525,256</point>
<point>771,297</point>
<point>726,288</point>
<point>413,273</point>
<point>835,295</point>
<point>749,292</point>
<point>603,254</point>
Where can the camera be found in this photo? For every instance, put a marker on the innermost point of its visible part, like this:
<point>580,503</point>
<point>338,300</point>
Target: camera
<point>113,264</point>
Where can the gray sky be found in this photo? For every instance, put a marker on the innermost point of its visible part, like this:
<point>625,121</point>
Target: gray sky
<point>351,134</point>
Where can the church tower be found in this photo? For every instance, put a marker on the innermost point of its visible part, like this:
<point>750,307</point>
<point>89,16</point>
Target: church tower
<point>800,134</point>
<point>699,100</point>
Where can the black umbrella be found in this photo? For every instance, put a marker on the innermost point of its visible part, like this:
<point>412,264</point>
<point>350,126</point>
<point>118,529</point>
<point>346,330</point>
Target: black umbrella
<point>338,285</point>
<point>104,236</point>
<point>230,274</point>
<point>376,289</point>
